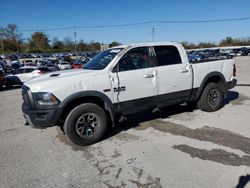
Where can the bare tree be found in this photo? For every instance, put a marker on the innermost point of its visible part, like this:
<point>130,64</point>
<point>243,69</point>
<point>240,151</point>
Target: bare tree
<point>12,33</point>
<point>68,44</point>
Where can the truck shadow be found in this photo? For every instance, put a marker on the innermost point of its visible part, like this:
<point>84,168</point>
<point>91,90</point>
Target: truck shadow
<point>231,96</point>
<point>243,180</point>
<point>134,120</point>
<point>215,135</point>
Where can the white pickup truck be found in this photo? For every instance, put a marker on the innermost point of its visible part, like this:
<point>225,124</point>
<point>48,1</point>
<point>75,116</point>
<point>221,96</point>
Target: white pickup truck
<point>123,80</point>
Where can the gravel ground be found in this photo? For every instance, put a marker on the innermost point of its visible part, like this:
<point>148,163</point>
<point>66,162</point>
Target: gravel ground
<point>173,148</point>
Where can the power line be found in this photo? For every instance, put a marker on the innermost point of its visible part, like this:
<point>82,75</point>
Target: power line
<point>88,27</point>
<point>139,23</point>
<point>49,29</point>
<point>205,21</point>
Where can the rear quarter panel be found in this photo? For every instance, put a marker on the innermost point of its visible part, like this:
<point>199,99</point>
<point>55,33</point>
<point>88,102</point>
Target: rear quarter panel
<point>201,70</point>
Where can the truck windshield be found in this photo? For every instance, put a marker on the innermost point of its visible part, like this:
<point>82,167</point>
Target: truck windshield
<point>101,60</point>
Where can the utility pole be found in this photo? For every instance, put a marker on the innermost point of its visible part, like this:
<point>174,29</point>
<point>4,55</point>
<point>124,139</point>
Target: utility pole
<point>75,34</point>
<point>92,45</point>
<point>153,34</point>
<point>17,45</point>
<point>1,35</point>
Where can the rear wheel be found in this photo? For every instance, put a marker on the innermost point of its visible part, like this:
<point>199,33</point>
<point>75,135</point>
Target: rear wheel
<point>86,124</point>
<point>211,98</point>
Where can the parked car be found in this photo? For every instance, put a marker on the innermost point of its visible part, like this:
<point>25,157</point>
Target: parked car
<point>77,64</point>
<point>40,62</point>
<point>51,64</point>
<point>2,79</point>
<point>44,70</point>
<point>196,57</point>
<point>24,74</point>
<point>63,65</point>
<point>28,62</point>
<point>245,51</point>
<point>3,64</point>
<point>2,56</point>
<point>120,81</point>
<point>2,69</point>
<point>12,80</point>
<point>15,65</point>
<point>27,73</point>
<point>13,57</point>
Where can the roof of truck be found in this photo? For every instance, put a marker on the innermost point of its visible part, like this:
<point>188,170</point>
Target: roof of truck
<point>146,44</point>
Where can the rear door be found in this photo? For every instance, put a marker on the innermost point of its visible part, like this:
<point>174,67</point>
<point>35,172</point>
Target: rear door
<point>133,80</point>
<point>174,75</point>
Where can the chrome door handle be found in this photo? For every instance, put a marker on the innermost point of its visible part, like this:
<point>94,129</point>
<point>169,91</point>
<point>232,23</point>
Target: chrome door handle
<point>148,76</point>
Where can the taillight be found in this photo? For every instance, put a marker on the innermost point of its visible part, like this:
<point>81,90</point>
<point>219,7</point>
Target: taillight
<point>41,72</point>
<point>234,70</point>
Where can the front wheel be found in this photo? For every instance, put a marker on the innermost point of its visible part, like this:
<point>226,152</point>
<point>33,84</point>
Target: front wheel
<point>86,124</point>
<point>212,98</point>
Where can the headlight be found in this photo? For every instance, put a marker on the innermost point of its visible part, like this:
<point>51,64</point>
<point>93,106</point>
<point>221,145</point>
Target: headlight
<point>45,99</point>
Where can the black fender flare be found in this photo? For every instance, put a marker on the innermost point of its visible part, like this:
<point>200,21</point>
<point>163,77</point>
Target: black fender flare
<point>205,81</point>
<point>108,105</point>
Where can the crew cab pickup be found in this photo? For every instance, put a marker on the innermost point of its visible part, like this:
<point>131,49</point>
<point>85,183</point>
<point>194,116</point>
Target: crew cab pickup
<point>120,81</point>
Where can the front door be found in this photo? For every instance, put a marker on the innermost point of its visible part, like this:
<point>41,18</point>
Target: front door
<point>134,82</point>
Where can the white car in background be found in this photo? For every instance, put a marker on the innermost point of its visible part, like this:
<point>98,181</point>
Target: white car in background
<point>64,65</point>
<point>24,74</point>
<point>27,73</point>
<point>40,62</point>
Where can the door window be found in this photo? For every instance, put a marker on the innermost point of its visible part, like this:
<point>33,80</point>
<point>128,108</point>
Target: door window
<point>137,58</point>
<point>167,55</point>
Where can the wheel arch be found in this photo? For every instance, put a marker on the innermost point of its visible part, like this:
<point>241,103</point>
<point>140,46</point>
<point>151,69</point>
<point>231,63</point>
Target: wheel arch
<point>215,77</point>
<point>95,97</point>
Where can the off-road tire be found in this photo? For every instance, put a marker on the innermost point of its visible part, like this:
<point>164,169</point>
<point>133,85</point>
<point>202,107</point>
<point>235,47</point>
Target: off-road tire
<point>73,129</point>
<point>211,98</point>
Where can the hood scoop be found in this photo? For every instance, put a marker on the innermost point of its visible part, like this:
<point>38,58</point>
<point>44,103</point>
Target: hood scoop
<point>54,75</point>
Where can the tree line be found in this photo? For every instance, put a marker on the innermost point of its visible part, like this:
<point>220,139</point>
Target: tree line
<point>228,41</point>
<point>12,41</point>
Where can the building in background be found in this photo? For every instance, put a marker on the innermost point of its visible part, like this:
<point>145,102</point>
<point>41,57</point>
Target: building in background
<point>104,47</point>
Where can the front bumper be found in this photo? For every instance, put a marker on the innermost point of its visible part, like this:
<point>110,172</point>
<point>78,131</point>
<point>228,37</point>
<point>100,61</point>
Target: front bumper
<point>41,118</point>
<point>231,84</point>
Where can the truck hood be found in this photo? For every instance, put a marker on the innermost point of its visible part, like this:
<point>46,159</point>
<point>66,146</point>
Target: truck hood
<point>54,80</point>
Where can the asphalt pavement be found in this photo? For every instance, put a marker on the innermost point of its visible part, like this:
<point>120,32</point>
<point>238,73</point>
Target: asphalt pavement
<point>177,147</point>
